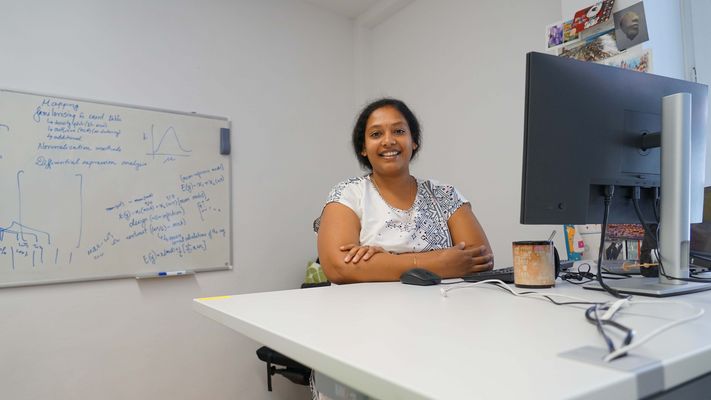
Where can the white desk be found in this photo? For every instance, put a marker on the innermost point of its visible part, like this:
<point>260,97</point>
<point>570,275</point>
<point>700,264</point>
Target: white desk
<point>394,341</point>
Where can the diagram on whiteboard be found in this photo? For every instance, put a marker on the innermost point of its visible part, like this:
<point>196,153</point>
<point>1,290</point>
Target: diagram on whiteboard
<point>3,129</point>
<point>168,144</point>
<point>30,245</point>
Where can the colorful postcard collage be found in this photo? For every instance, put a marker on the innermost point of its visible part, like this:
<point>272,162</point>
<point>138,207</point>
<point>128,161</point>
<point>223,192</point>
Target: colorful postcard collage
<point>597,34</point>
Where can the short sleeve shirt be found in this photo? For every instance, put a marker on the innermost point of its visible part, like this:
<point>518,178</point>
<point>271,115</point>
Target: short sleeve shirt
<point>421,228</point>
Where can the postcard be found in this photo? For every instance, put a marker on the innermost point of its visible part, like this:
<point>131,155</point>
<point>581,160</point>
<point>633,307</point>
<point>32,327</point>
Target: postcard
<point>593,15</point>
<point>596,49</point>
<point>625,231</point>
<point>637,59</point>
<point>631,26</point>
<point>569,33</point>
<point>554,34</point>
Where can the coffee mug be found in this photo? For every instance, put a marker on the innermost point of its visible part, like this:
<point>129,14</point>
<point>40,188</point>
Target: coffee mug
<point>536,264</point>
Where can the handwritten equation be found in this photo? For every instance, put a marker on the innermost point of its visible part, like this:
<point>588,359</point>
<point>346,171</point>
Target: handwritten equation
<point>174,222</point>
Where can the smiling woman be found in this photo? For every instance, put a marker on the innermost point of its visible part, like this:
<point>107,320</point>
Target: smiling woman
<point>377,226</point>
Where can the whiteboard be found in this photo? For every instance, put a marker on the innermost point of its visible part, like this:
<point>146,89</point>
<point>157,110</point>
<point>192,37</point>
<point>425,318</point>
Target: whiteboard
<point>94,190</point>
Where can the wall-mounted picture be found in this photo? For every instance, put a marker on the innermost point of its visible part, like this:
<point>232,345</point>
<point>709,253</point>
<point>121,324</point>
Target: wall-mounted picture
<point>555,34</point>
<point>596,49</point>
<point>593,15</point>
<point>631,26</point>
<point>637,60</point>
<point>569,33</point>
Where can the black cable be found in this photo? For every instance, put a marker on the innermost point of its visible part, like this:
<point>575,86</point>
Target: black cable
<point>638,211</point>
<point>655,237</point>
<point>558,303</point>
<point>579,275</point>
<point>699,256</point>
<point>578,279</point>
<point>598,324</point>
<point>663,273</point>
<point>578,283</point>
<point>629,333</point>
<point>656,204</point>
<point>566,303</point>
<point>585,264</point>
<point>615,275</point>
<point>609,192</point>
<point>583,277</point>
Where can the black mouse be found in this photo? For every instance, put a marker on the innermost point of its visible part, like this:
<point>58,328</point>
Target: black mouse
<point>420,276</point>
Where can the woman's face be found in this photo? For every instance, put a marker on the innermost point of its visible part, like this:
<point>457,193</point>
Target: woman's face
<point>388,141</point>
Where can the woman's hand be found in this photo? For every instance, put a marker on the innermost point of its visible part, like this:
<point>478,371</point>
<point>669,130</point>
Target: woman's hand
<point>458,260</point>
<point>355,252</point>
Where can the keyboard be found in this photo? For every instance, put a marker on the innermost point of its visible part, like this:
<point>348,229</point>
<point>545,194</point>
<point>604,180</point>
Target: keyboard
<point>502,274</point>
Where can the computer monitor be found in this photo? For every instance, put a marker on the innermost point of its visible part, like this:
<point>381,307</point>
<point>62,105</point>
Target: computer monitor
<point>590,127</point>
<point>701,236</point>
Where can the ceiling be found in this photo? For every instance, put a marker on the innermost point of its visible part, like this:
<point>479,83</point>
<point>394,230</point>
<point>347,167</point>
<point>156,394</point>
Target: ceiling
<point>347,8</point>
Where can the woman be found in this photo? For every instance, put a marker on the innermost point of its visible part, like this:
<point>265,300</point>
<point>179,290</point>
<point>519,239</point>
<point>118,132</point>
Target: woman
<point>375,227</point>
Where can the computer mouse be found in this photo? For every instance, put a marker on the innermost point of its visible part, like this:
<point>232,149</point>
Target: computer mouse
<point>420,276</point>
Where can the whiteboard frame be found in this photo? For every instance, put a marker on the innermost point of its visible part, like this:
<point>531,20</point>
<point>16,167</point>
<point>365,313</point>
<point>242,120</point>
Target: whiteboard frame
<point>110,103</point>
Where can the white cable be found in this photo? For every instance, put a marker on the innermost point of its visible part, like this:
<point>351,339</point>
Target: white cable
<point>444,290</point>
<point>625,349</point>
<point>614,307</point>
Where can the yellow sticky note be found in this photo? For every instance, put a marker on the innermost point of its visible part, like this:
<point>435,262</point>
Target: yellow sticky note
<point>214,298</point>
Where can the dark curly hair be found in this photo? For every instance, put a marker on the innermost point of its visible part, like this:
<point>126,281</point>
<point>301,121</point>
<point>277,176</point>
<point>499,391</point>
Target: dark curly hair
<point>359,128</point>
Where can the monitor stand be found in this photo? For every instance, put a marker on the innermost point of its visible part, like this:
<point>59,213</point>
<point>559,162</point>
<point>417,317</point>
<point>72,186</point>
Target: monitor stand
<point>676,205</point>
<point>650,287</point>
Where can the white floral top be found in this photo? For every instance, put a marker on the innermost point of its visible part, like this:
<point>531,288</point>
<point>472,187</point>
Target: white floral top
<point>421,228</point>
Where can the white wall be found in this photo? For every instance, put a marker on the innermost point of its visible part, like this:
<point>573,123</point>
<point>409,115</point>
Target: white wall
<point>460,65</point>
<point>282,71</point>
<point>699,13</point>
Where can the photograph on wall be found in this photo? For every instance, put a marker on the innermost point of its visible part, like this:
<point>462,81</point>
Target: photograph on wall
<point>569,33</point>
<point>554,33</point>
<point>593,15</point>
<point>639,60</point>
<point>625,231</point>
<point>596,49</point>
<point>631,26</point>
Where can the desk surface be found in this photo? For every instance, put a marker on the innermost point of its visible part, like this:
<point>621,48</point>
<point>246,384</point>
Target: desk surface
<point>394,341</point>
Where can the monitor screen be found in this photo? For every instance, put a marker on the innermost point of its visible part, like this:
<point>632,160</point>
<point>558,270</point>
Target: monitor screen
<point>583,130</point>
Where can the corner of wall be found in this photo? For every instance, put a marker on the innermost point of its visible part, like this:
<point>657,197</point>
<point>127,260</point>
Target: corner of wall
<point>363,25</point>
